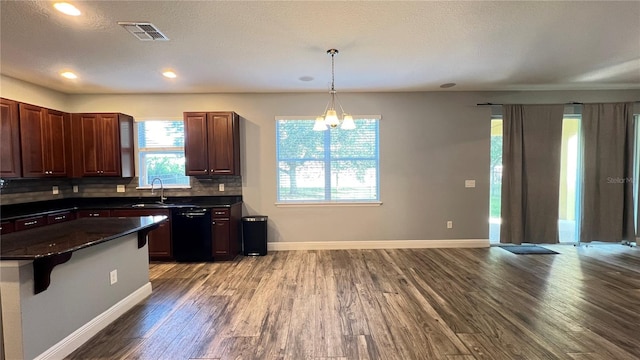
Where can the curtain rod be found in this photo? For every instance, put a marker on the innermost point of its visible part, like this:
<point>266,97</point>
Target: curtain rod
<point>569,103</point>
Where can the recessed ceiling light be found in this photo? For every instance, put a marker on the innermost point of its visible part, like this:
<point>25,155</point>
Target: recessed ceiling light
<point>67,8</point>
<point>68,75</point>
<point>169,74</point>
<point>447,85</point>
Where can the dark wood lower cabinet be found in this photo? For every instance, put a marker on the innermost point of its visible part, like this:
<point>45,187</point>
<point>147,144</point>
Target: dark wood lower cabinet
<point>93,213</point>
<point>159,240</point>
<point>221,243</point>
<point>225,232</point>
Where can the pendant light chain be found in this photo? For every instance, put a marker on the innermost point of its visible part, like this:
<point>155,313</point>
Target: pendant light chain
<point>333,66</point>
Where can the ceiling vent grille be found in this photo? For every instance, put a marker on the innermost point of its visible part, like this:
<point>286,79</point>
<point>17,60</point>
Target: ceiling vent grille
<point>143,31</point>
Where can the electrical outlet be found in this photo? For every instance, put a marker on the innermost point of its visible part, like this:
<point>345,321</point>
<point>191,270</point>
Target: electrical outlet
<point>55,190</point>
<point>75,188</point>
<point>220,187</point>
<point>120,188</point>
<point>113,276</point>
<point>449,224</point>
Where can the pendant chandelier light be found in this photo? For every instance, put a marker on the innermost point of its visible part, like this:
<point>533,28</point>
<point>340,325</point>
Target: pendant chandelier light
<point>330,119</point>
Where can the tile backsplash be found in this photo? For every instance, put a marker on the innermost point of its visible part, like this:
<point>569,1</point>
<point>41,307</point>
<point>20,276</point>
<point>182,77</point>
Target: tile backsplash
<point>16,191</point>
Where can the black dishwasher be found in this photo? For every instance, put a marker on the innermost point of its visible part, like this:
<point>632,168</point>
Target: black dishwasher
<point>191,234</point>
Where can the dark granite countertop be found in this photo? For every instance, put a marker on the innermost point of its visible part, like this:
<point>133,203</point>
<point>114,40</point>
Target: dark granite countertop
<point>70,236</point>
<point>17,211</point>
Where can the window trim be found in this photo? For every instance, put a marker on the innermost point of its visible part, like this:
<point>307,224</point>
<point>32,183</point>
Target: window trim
<point>328,203</point>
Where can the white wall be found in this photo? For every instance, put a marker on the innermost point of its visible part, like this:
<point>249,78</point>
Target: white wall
<point>430,142</point>
<point>14,89</point>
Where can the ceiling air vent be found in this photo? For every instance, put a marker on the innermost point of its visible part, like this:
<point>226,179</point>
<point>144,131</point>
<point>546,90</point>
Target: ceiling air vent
<point>143,31</point>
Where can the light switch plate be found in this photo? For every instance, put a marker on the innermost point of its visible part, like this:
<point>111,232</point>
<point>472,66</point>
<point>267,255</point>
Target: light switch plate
<point>449,224</point>
<point>55,190</point>
<point>75,188</point>
<point>113,276</point>
<point>120,188</point>
<point>470,183</point>
<point>220,187</point>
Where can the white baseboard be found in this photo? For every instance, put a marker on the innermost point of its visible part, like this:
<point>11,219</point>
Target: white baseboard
<point>378,244</point>
<point>70,343</point>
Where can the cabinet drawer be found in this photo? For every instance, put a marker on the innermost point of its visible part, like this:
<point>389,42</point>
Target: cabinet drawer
<point>60,217</point>
<point>94,213</point>
<point>219,213</point>
<point>30,223</point>
<point>6,227</point>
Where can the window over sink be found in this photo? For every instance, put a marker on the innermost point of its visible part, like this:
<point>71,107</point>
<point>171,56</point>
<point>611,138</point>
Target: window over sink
<point>161,152</point>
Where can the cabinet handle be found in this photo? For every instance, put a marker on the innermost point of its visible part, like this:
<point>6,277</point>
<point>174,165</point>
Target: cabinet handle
<point>213,223</point>
<point>94,214</point>
<point>59,217</point>
<point>29,223</point>
<point>219,212</point>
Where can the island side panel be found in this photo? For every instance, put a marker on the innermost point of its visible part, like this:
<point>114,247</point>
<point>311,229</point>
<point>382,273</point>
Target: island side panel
<point>80,290</point>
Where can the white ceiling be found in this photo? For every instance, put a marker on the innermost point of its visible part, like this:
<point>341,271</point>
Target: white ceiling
<point>260,46</point>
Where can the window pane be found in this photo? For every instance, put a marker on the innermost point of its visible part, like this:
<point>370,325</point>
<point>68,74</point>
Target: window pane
<point>168,166</point>
<point>161,152</point>
<point>301,180</point>
<point>568,179</point>
<point>332,165</point>
<point>496,180</point>
<point>357,143</point>
<point>160,134</point>
<point>354,180</point>
<point>296,140</point>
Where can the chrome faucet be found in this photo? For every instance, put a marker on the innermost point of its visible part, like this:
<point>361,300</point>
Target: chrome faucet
<point>162,198</point>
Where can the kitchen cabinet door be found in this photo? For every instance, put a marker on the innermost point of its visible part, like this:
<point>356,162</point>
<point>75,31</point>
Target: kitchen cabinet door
<point>43,133</point>
<point>195,144</point>
<point>102,145</point>
<point>224,143</point>
<point>10,164</point>
<point>158,240</point>
<point>212,143</point>
<point>220,234</point>
<point>225,222</point>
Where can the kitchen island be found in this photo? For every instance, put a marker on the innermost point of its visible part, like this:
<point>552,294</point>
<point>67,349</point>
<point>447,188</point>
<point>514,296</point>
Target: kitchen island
<point>61,284</point>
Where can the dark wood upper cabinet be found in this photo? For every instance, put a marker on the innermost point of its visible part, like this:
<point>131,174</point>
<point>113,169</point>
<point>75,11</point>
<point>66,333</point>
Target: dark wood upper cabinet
<point>212,143</point>
<point>43,137</point>
<point>10,164</point>
<point>102,145</point>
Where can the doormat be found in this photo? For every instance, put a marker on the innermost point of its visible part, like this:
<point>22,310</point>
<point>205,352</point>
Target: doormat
<point>527,250</point>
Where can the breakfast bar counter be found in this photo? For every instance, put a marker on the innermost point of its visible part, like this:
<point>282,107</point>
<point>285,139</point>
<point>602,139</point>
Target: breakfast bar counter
<point>62,283</point>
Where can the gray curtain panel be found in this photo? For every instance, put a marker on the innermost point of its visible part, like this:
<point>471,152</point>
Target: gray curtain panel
<point>607,211</point>
<point>532,138</point>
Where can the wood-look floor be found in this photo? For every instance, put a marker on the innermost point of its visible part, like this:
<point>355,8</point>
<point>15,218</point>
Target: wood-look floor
<point>453,304</point>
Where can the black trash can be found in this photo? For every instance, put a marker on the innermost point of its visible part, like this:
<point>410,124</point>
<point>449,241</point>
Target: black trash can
<point>254,235</point>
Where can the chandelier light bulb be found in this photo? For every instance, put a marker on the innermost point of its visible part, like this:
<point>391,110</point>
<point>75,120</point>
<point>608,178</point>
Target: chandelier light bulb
<point>332,118</point>
<point>347,122</point>
<point>319,124</point>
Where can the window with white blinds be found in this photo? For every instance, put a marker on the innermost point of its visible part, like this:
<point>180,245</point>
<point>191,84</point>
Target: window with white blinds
<point>327,166</point>
<point>161,152</point>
